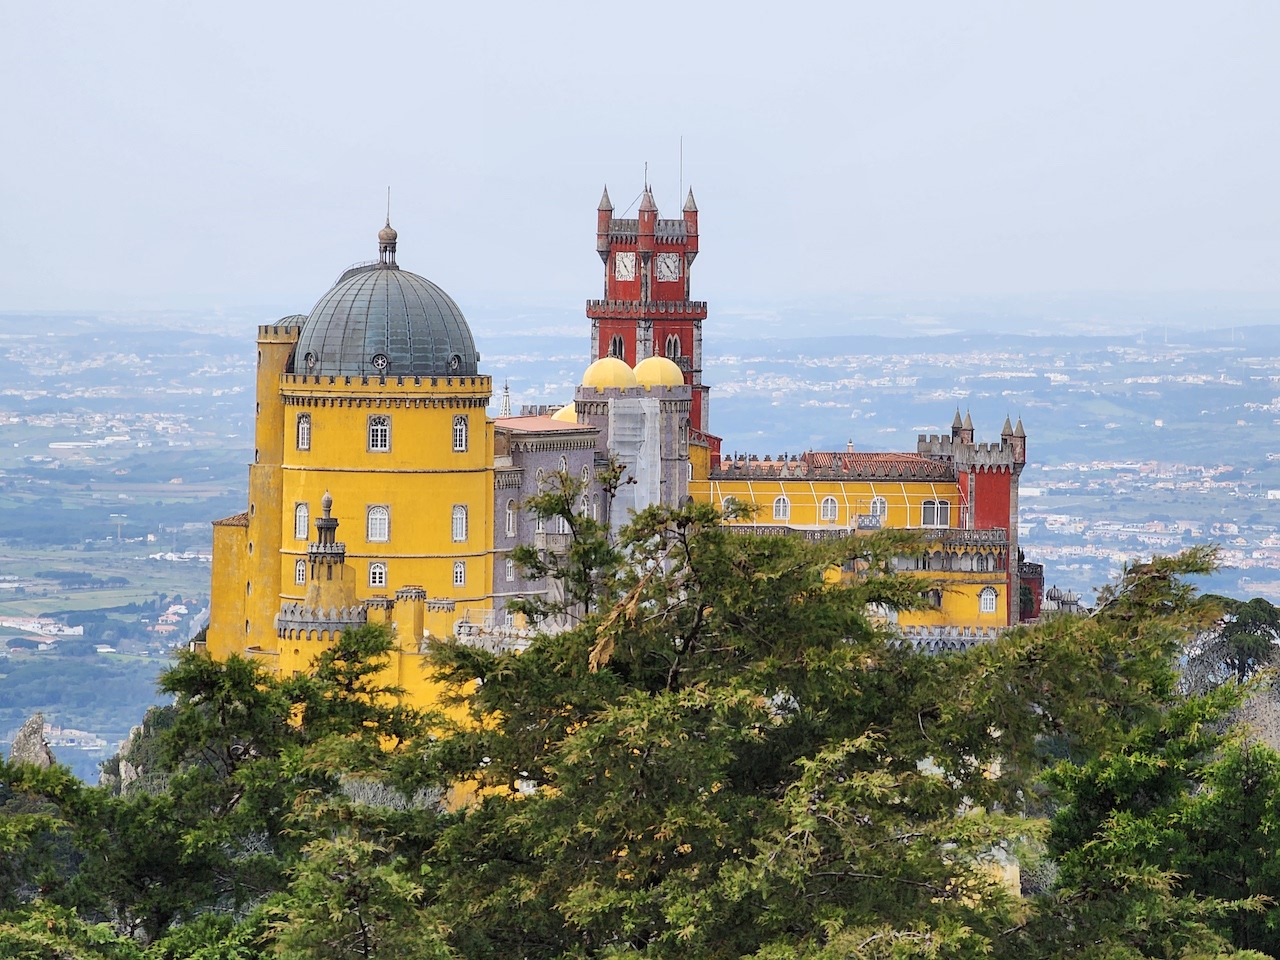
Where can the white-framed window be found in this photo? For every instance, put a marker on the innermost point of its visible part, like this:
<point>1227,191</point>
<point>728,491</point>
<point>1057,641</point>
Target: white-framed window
<point>935,513</point>
<point>987,600</point>
<point>300,572</point>
<point>511,518</point>
<point>511,570</point>
<point>460,573</point>
<point>539,524</point>
<point>377,574</point>
<point>689,470</point>
<point>303,432</point>
<point>672,347</point>
<point>378,524</point>
<point>781,509</point>
<point>380,433</point>
<point>564,465</point>
<point>616,348</point>
<point>830,509</point>
<point>684,438</point>
<point>509,619</point>
<point>562,524</point>
<point>586,474</point>
<point>460,434</point>
<point>301,521</point>
<point>538,476</point>
<point>879,507</point>
<point>459,523</point>
<point>727,504</point>
<point>595,506</point>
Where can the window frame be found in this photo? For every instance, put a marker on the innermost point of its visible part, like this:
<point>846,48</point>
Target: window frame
<point>510,570</point>
<point>459,523</point>
<point>879,507</point>
<point>459,573</point>
<point>512,519</point>
<point>300,573</point>
<point>378,421</point>
<point>302,512</point>
<point>617,342</point>
<point>368,523</point>
<point>784,502</point>
<point>988,595</point>
<point>302,432</point>
<point>834,511</point>
<point>666,347</point>
<point>461,433</point>
<point>377,567</point>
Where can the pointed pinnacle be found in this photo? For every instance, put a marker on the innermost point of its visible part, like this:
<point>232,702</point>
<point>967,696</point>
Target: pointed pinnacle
<point>689,205</point>
<point>1008,428</point>
<point>647,203</point>
<point>968,421</point>
<point>957,423</point>
<point>605,202</point>
<point>1018,431</point>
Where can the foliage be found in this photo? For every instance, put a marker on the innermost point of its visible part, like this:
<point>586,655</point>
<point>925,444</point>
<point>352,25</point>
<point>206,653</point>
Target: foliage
<point>725,754</point>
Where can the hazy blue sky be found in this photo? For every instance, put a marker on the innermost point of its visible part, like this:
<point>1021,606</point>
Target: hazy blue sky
<point>194,155</point>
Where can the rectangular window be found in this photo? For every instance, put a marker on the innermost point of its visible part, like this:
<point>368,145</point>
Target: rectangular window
<point>511,570</point>
<point>459,523</point>
<point>300,572</point>
<point>928,511</point>
<point>377,574</point>
<point>380,434</point>
<point>460,573</point>
<point>943,517</point>
<point>304,431</point>
<point>460,434</point>
<point>378,525</point>
<point>301,521</point>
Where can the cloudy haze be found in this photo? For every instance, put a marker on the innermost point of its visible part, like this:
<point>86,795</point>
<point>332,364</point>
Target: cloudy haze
<point>192,156</point>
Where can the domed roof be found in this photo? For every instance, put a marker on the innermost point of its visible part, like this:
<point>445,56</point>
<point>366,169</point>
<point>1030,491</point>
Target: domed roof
<point>658,372</point>
<point>566,414</point>
<point>608,372</point>
<point>381,321</point>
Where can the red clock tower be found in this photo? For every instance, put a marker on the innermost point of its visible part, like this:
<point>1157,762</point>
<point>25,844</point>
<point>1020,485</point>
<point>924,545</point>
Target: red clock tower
<point>646,310</point>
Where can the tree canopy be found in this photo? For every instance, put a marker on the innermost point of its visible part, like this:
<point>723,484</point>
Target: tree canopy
<point>728,752</point>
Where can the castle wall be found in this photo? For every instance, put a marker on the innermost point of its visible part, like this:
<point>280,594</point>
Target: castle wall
<point>227,589</point>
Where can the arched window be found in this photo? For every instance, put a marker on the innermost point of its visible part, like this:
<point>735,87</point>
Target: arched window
<point>616,348</point>
<point>595,506</point>
<point>782,509</point>
<point>301,521</point>
<point>564,465</point>
<point>987,600</point>
<point>511,518</point>
<point>538,477</point>
<point>879,507</point>
<point>689,470</point>
<point>459,523</point>
<point>830,510</point>
<point>586,474</point>
<point>982,563</point>
<point>562,525</point>
<point>684,438</point>
<point>378,525</point>
<point>304,431</point>
<point>380,434</point>
<point>300,572</point>
<point>672,349</point>
<point>460,573</point>
<point>460,434</point>
<point>727,504</point>
<point>511,570</point>
<point>377,574</point>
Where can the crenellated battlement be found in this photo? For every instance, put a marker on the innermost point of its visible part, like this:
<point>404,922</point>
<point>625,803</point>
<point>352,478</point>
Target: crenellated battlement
<point>966,456</point>
<point>630,309</point>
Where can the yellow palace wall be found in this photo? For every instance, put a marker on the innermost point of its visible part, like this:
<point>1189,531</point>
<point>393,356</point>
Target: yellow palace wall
<point>419,480</point>
<point>904,501</point>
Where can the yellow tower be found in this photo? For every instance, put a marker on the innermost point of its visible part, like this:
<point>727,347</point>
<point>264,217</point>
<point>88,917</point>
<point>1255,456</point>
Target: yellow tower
<point>374,401</point>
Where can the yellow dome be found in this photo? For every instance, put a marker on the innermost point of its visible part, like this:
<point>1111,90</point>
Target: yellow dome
<point>567,414</point>
<point>658,372</point>
<point>608,372</point>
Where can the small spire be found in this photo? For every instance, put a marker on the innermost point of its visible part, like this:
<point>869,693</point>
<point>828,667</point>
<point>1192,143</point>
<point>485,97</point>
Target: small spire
<point>504,410</point>
<point>605,202</point>
<point>1008,428</point>
<point>1018,431</point>
<point>957,423</point>
<point>968,421</point>
<point>689,205</point>
<point>326,504</point>
<point>647,203</point>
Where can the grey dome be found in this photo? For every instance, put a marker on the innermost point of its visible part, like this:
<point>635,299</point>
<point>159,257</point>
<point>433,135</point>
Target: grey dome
<point>381,321</point>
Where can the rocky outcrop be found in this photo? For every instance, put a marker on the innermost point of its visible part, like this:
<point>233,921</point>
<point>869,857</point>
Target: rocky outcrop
<point>30,746</point>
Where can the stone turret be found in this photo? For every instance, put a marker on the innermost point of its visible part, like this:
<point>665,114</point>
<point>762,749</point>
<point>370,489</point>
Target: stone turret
<point>330,605</point>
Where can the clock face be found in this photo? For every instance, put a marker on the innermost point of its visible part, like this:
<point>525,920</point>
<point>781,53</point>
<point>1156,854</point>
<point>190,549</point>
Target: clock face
<point>624,266</point>
<point>666,266</point>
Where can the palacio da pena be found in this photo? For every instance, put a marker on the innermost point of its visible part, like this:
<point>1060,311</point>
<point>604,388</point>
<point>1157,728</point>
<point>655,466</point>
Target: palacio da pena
<point>382,491</point>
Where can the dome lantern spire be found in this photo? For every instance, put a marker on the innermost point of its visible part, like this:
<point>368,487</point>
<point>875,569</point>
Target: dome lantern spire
<point>387,239</point>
